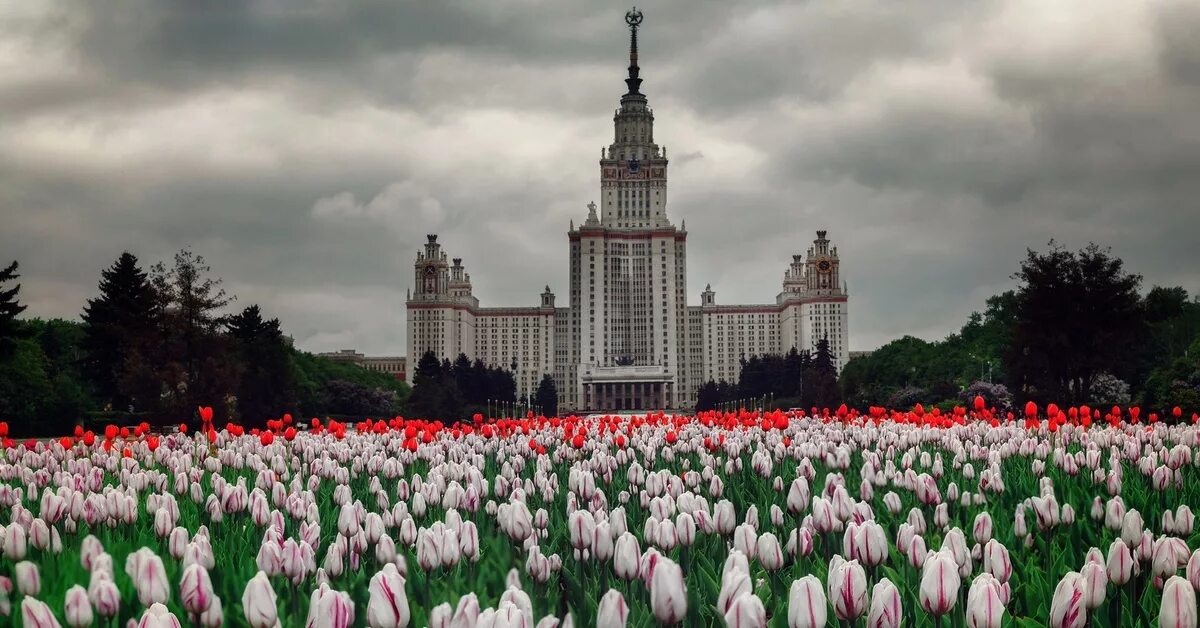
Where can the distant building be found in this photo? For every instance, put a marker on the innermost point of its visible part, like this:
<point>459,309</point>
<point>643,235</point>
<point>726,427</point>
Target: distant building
<point>396,366</point>
<point>858,354</point>
<point>627,339</point>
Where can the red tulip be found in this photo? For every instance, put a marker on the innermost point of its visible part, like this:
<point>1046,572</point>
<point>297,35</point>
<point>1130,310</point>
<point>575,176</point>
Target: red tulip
<point>65,442</point>
<point>1030,409</point>
<point>206,414</point>
<point>266,438</point>
<point>152,443</point>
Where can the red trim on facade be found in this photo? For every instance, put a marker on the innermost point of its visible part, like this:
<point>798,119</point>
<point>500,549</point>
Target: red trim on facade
<point>483,311</point>
<point>575,236</point>
<point>765,309</point>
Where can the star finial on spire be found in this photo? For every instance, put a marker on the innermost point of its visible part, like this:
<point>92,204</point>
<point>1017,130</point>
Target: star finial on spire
<point>634,19</point>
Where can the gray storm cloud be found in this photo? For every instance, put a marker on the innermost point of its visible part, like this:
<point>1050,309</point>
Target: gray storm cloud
<point>305,148</point>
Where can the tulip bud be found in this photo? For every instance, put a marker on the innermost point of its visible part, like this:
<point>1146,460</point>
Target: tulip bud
<point>1193,570</point>
<point>157,616</point>
<point>996,560</point>
<point>981,530</point>
<point>195,589</point>
<point>734,583</point>
<point>627,557</point>
<point>37,613</point>
<point>941,515</point>
<point>178,542</point>
<point>685,529</point>
<point>29,581</point>
<point>259,603</point>
<point>745,540</point>
<point>886,609</point>
<point>1095,585</point>
<point>330,609</point>
<point>668,594</point>
<point>917,552</point>
<point>798,496</point>
<point>388,605</point>
<point>612,612</point>
<point>1131,528</point>
<point>214,617</point>
<point>467,611</point>
<point>78,608</point>
<point>348,520</point>
<point>582,526</point>
<point>439,617</point>
<point>848,590</point>
<point>104,596</point>
<point>746,611</point>
<point>807,607</point>
<point>1120,563</point>
<point>1178,604</point>
<point>770,556</point>
<point>984,606</point>
<point>1114,514</point>
<point>14,543</point>
<point>939,583</point>
<point>1067,609</point>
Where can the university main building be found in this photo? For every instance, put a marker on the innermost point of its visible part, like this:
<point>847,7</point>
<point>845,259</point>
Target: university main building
<point>627,339</point>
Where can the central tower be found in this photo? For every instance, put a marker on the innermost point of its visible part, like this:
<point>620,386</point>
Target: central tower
<point>633,169</point>
<point>628,268</point>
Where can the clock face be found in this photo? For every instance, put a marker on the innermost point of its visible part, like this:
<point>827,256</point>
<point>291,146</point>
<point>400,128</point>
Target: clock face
<point>824,266</point>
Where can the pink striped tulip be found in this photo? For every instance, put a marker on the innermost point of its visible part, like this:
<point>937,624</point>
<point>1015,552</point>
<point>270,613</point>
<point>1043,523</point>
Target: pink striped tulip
<point>36,614</point>
<point>77,608</point>
<point>747,611</point>
<point>612,612</point>
<point>330,609</point>
<point>157,616</point>
<point>195,589</point>
<point>939,583</point>
<point>388,605</point>
<point>848,590</point>
<point>259,603</point>
<point>807,606</point>
<point>1178,609</point>
<point>985,608</point>
<point>668,594</point>
<point>886,611</point>
<point>1067,608</point>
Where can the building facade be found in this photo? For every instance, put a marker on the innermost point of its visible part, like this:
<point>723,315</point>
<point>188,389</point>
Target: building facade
<point>394,365</point>
<point>627,339</point>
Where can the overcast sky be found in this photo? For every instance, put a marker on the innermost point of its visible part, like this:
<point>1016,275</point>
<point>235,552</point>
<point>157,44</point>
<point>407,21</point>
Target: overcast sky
<point>305,147</point>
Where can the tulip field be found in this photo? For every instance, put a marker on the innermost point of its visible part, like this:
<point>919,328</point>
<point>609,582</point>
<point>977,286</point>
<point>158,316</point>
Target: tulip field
<point>1057,517</point>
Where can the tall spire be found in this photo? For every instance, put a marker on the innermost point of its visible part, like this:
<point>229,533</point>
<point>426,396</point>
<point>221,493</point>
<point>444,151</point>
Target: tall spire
<point>634,19</point>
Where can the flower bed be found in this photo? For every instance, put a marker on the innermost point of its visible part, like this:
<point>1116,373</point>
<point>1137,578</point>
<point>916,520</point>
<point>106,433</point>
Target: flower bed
<point>1060,518</point>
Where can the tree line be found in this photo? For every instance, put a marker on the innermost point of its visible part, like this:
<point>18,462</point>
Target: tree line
<point>800,379</point>
<point>463,388</point>
<point>1077,329</point>
<point>154,344</point>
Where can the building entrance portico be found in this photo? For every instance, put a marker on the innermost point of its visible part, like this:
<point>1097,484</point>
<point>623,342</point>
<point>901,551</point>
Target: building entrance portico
<point>624,388</point>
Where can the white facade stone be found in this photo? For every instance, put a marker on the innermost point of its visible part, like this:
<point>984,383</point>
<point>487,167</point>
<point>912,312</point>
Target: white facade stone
<point>627,338</point>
